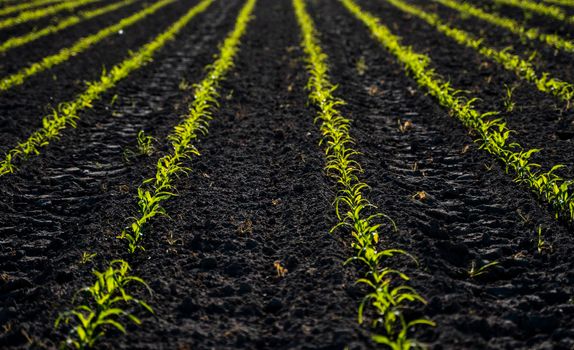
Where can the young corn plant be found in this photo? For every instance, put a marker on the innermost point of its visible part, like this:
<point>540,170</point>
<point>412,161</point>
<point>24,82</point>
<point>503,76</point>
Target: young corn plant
<point>491,133</point>
<point>67,113</point>
<point>145,147</point>
<point>145,144</point>
<point>508,101</point>
<point>161,187</point>
<point>542,245</point>
<point>87,257</point>
<point>388,294</point>
<point>475,271</point>
<point>107,304</point>
<point>361,66</point>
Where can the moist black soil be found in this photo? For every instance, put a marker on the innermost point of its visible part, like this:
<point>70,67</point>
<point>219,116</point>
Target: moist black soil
<point>258,195</point>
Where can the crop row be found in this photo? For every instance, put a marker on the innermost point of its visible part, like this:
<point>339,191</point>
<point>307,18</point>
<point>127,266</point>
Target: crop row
<point>108,300</point>
<point>25,6</point>
<point>388,294</point>
<point>493,134</point>
<point>17,41</point>
<point>539,8</point>
<point>78,47</point>
<point>553,40</point>
<point>511,62</point>
<point>43,12</point>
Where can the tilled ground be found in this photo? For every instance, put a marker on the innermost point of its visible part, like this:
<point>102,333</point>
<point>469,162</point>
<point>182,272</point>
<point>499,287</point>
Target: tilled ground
<point>258,195</point>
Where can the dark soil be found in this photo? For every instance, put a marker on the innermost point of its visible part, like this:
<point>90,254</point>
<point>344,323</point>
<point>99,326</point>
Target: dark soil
<point>257,194</point>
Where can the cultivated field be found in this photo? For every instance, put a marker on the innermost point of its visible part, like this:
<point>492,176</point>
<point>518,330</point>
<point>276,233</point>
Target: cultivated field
<point>286,174</point>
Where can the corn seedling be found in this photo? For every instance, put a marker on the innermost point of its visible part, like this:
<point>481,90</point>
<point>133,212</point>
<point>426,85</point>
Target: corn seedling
<point>145,147</point>
<point>67,22</point>
<point>538,8</point>
<point>32,15</point>
<point>67,113</point>
<point>388,295</point>
<point>160,188</point>
<point>523,69</point>
<point>78,47</point>
<point>184,85</point>
<point>361,66</point>
<point>87,257</point>
<point>492,133</point>
<point>542,245</point>
<point>105,308</point>
<point>171,240</point>
<point>25,6</point>
<point>478,271</point>
<point>145,144</point>
<point>513,26</point>
<point>509,104</point>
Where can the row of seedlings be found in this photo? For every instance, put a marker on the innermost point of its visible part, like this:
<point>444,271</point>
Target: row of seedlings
<point>492,134</point>
<point>89,321</point>
<point>25,6</point>
<point>160,187</point>
<point>62,24</point>
<point>78,47</point>
<point>522,68</point>
<point>67,113</point>
<point>108,293</point>
<point>539,8</point>
<point>388,295</point>
<point>32,15</point>
<point>528,34</point>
